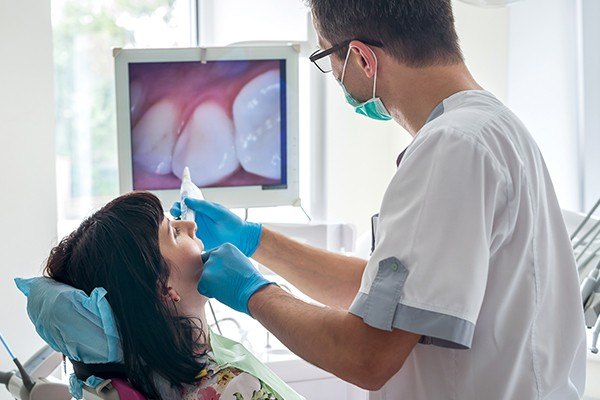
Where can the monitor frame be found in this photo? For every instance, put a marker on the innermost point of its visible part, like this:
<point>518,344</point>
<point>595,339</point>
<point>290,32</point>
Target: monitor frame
<point>233,197</point>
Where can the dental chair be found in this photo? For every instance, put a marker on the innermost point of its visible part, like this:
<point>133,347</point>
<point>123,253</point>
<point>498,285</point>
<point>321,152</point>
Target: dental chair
<point>80,327</point>
<point>113,385</point>
<point>32,380</point>
<point>585,232</point>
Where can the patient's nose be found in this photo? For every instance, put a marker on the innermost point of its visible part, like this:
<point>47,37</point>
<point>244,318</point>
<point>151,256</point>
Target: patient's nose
<point>189,227</point>
<point>185,227</point>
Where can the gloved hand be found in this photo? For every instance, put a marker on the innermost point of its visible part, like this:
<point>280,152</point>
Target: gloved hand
<point>217,225</point>
<point>230,277</point>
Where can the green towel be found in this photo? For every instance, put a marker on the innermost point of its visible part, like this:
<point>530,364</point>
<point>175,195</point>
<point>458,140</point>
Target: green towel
<point>230,352</point>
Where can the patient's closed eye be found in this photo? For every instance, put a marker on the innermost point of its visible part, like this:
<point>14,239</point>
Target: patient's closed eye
<point>177,232</point>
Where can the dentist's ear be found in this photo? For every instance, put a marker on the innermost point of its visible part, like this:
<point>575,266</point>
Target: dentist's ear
<point>367,59</point>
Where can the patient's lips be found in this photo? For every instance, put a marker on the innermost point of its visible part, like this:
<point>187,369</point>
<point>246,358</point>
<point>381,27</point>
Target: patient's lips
<point>206,145</point>
<point>154,136</point>
<point>256,114</point>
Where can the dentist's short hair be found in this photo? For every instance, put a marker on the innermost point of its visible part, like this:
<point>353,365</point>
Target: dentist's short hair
<point>415,32</point>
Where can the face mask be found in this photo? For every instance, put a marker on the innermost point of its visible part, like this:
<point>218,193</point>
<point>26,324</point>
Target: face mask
<point>372,108</point>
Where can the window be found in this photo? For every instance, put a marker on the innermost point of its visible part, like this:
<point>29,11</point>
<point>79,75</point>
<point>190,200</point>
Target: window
<point>85,31</point>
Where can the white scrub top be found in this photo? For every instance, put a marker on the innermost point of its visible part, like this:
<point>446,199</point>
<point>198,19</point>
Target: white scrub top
<point>471,252</point>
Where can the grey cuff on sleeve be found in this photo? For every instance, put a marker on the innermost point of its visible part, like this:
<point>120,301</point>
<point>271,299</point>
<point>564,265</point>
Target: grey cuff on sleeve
<point>381,309</point>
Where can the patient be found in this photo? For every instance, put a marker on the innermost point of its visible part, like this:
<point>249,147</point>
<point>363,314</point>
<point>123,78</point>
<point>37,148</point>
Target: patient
<point>150,267</point>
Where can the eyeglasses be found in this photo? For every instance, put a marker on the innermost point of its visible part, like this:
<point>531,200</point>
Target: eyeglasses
<point>321,57</point>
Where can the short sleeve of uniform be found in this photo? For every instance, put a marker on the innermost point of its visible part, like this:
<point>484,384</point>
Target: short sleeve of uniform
<point>428,272</point>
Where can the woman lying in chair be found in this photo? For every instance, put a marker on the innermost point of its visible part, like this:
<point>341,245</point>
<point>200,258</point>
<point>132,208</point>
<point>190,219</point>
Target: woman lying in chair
<point>150,267</point>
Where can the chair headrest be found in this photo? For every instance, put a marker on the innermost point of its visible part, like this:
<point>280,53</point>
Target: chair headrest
<point>81,327</point>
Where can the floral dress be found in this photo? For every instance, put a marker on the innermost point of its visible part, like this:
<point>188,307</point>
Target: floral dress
<point>225,383</point>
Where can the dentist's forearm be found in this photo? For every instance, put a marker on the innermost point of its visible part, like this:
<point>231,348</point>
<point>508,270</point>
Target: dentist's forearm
<point>333,339</point>
<point>331,279</point>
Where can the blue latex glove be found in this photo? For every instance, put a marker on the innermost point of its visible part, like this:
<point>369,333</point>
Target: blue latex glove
<point>217,225</point>
<point>230,277</point>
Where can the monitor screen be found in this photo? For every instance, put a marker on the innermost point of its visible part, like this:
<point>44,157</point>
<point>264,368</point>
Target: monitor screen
<point>225,120</point>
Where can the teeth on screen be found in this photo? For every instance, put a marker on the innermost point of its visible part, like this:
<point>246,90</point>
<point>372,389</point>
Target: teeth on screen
<point>256,114</point>
<point>207,146</point>
<point>153,138</point>
<point>136,98</point>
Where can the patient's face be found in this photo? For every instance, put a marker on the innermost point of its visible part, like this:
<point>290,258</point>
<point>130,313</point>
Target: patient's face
<point>182,250</point>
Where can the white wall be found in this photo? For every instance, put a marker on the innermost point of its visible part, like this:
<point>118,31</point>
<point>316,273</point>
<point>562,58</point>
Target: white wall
<point>483,34</point>
<point>27,168</point>
<point>361,153</point>
<point>229,21</point>
<point>543,89</point>
<point>590,12</point>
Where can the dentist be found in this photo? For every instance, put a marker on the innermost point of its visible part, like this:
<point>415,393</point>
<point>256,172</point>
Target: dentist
<point>471,291</point>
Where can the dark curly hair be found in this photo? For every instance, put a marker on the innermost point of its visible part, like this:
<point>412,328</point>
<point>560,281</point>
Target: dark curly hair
<point>117,248</point>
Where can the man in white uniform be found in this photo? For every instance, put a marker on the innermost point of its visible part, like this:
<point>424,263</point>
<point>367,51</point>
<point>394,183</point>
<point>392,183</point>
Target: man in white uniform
<point>471,291</point>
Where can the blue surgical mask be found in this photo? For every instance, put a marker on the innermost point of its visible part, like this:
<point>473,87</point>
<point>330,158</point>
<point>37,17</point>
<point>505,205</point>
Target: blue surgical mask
<point>372,108</point>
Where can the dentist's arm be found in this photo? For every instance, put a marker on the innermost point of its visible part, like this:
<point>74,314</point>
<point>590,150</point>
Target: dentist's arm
<point>330,278</point>
<point>332,339</point>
